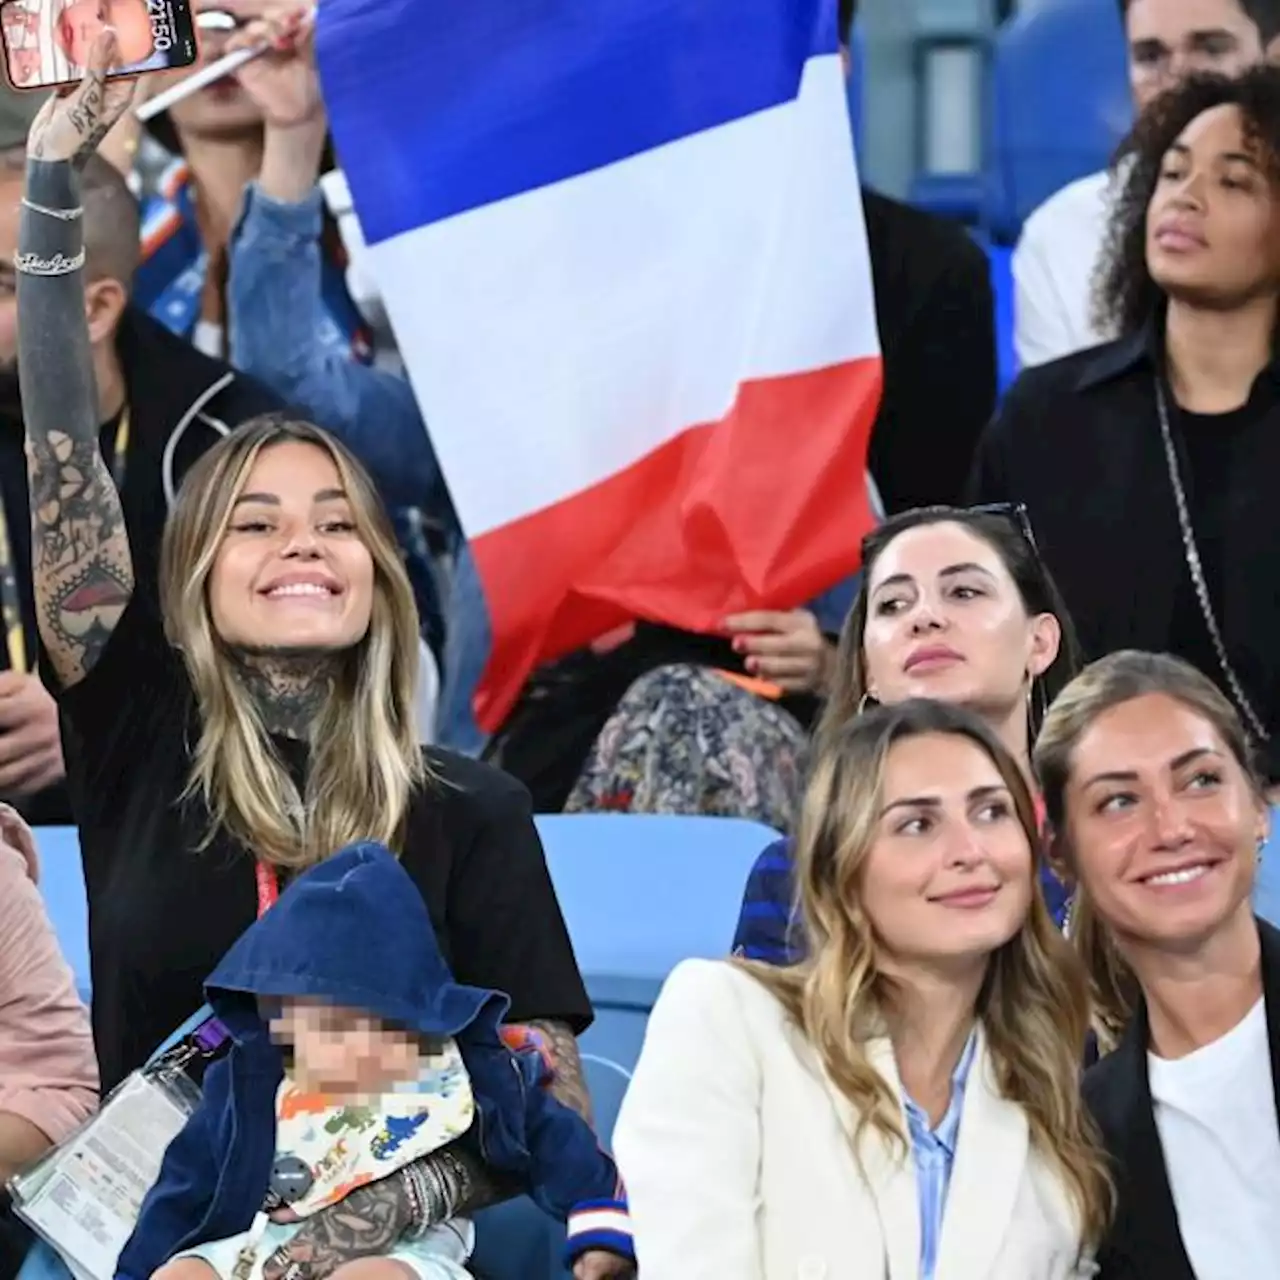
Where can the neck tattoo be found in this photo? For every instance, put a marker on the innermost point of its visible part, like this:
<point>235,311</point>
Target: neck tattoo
<point>288,686</point>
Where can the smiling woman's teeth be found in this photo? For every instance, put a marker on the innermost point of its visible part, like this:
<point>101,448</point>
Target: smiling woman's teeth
<point>1178,877</point>
<point>299,589</point>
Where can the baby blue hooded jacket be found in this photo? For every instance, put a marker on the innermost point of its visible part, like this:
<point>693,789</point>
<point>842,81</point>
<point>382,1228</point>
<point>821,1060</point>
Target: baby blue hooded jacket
<point>355,931</point>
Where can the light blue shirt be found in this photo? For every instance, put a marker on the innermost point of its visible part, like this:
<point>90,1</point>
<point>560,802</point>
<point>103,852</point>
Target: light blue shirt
<point>934,1153</point>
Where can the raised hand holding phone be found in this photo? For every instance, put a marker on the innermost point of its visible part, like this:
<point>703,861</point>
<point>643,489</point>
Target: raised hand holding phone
<point>47,42</point>
<point>74,121</point>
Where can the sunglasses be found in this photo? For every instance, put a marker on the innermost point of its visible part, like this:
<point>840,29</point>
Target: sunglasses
<point>1016,513</point>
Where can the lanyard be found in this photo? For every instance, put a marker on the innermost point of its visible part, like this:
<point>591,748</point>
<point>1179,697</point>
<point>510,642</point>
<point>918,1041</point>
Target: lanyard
<point>15,634</point>
<point>268,887</point>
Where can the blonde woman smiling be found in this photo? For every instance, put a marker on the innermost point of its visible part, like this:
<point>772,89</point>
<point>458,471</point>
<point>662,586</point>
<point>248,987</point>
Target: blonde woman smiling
<point>254,718</point>
<point>1159,814</point>
<point>904,1103</point>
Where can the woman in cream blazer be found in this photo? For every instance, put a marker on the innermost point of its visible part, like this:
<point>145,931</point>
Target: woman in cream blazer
<point>905,1104</point>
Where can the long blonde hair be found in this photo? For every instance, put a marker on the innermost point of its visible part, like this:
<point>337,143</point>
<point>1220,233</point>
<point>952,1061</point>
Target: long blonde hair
<point>1110,682</point>
<point>1033,1004</point>
<point>365,758</point>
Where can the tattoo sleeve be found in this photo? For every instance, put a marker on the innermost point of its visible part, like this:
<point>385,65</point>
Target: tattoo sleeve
<point>366,1224</point>
<point>82,568</point>
<point>372,1218</point>
<point>568,1085</point>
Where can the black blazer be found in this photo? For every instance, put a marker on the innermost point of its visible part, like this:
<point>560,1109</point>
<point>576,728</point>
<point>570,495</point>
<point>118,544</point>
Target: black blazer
<point>1078,441</point>
<point>935,311</point>
<point>1144,1242</point>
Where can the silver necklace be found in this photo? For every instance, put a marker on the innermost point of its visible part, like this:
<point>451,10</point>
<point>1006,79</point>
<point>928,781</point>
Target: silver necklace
<point>1196,569</point>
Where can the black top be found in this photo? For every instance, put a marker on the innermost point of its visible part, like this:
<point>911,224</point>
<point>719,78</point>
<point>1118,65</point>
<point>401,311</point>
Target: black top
<point>935,312</point>
<point>1144,1242</point>
<point>1078,440</point>
<point>165,380</point>
<point>162,912</point>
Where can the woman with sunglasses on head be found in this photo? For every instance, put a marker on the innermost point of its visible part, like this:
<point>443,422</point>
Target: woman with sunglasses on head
<point>955,605</point>
<point>1158,816</point>
<point>1149,464</point>
<point>905,1102</point>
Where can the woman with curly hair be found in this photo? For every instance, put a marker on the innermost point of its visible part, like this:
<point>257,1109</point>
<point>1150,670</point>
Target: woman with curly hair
<point>1148,464</point>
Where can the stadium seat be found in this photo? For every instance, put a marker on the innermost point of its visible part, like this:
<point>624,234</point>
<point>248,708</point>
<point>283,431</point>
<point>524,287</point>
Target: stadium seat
<point>62,887</point>
<point>1000,259</point>
<point>1059,103</point>
<point>857,85</point>
<point>640,894</point>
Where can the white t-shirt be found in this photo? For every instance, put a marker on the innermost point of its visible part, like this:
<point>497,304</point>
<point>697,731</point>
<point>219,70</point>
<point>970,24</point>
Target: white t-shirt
<point>1215,1111</point>
<point>1053,269</point>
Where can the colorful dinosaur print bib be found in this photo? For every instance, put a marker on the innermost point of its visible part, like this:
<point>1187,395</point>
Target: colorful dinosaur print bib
<point>326,1149</point>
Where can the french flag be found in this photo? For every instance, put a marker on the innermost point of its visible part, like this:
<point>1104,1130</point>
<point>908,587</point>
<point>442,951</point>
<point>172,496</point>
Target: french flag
<point>621,245</point>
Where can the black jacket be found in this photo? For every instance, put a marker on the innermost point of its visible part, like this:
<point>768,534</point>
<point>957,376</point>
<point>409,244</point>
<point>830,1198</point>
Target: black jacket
<point>1078,440</point>
<point>936,315</point>
<point>180,402</point>
<point>1144,1242</point>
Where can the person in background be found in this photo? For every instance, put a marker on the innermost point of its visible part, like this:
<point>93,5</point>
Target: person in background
<point>219,140</point>
<point>160,404</point>
<point>48,1076</point>
<point>276,299</point>
<point>216,136</point>
<point>956,605</point>
<point>1148,465</point>
<point>906,1101</point>
<point>935,312</point>
<point>1157,813</point>
<point>1061,246</point>
<point>265,705</point>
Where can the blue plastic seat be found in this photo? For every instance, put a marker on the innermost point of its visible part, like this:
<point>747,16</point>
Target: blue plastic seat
<point>1059,103</point>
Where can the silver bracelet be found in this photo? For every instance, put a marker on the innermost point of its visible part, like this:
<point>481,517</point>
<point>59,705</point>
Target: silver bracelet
<point>429,1198</point>
<point>63,215</point>
<point>32,264</point>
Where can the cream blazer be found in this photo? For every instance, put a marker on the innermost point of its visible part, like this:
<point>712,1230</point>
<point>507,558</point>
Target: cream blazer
<point>737,1155</point>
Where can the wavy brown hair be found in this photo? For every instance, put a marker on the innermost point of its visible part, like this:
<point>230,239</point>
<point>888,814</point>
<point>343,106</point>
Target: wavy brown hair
<point>1111,682</point>
<point>1125,295</point>
<point>365,757</point>
<point>1033,1004</point>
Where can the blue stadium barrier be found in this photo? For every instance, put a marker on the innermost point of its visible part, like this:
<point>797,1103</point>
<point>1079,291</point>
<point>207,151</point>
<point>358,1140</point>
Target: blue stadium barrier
<point>640,893</point>
<point>1058,102</point>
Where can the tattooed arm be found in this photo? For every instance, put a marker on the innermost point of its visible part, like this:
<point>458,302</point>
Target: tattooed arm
<point>450,1183</point>
<point>82,568</point>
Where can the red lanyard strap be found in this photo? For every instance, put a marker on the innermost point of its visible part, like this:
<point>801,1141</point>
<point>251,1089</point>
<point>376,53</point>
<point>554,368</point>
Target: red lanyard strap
<point>268,887</point>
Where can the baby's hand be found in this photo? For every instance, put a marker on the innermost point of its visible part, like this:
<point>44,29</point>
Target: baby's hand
<point>283,1214</point>
<point>599,1264</point>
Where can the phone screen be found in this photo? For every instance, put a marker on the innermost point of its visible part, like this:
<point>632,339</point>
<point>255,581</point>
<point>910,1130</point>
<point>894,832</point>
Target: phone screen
<point>47,42</point>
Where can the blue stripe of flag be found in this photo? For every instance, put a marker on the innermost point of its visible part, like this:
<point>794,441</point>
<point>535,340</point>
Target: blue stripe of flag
<point>442,106</point>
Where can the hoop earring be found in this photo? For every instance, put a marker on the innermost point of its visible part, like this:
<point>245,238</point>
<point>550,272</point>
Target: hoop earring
<point>863,703</point>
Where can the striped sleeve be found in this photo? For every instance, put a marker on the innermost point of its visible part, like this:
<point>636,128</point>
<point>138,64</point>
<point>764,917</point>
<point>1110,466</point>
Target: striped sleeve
<point>766,925</point>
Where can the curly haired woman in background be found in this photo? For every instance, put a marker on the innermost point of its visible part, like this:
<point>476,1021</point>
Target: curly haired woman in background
<point>906,1101</point>
<point>1149,464</point>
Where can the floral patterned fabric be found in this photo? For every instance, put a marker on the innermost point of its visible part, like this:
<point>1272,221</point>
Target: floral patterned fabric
<point>684,739</point>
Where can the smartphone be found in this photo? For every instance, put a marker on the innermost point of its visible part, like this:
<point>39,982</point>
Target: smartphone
<point>47,42</point>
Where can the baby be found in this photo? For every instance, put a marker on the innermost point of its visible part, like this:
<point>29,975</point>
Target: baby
<point>354,1054</point>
